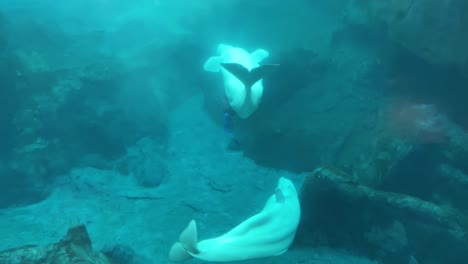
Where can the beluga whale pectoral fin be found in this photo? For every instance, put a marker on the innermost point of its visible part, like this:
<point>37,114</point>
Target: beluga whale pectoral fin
<point>213,64</point>
<point>248,78</point>
<point>259,55</point>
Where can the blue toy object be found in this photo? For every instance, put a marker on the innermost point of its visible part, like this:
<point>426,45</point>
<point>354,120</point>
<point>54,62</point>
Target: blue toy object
<point>229,127</point>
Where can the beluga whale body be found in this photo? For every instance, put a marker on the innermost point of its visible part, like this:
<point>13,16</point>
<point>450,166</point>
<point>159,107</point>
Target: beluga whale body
<point>267,233</point>
<point>242,76</point>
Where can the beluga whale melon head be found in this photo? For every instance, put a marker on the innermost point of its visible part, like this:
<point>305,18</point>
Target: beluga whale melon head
<point>242,76</point>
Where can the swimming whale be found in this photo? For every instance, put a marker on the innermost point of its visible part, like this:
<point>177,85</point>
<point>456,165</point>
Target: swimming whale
<point>242,76</point>
<point>267,233</point>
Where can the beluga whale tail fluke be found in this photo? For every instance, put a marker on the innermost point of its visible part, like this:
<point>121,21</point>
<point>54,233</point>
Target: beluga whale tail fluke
<point>267,233</point>
<point>187,244</point>
<point>248,78</point>
<point>242,76</point>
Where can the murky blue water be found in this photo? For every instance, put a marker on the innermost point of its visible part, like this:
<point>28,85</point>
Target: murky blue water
<point>135,117</point>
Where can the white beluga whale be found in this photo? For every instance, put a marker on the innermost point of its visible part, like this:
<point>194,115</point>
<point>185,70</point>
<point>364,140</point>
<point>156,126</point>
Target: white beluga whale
<point>242,76</point>
<point>267,233</point>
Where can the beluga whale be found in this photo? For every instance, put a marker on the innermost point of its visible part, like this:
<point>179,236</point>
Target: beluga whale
<point>242,76</point>
<point>267,233</point>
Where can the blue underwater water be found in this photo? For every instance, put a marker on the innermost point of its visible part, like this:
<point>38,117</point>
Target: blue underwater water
<point>132,118</point>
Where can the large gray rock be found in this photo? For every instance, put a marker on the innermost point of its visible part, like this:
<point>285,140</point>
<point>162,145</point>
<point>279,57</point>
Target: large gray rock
<point>75,247</point>
<point>394,227</point>
<point>436,30</point>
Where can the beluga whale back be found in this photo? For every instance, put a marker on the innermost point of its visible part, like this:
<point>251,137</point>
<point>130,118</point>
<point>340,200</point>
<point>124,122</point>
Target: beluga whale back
<point>267,233</point>
<point>242,76</point>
